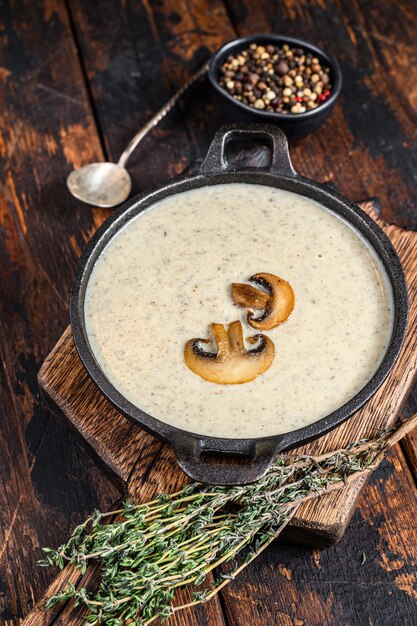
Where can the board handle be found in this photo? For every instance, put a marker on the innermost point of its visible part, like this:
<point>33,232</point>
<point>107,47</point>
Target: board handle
<point>262,453</point>
<point>216,160</point>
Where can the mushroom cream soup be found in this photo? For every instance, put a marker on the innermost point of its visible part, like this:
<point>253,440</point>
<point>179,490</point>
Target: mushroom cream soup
<point>167,275</point>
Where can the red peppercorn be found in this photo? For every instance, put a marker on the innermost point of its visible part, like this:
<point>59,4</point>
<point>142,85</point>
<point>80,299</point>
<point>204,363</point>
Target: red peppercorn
<point>247,76</point>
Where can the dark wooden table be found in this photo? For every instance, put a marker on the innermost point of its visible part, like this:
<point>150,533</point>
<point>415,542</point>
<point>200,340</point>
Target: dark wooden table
<point>77,78</point>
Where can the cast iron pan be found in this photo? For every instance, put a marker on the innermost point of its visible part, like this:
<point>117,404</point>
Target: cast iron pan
<point>188,446</point>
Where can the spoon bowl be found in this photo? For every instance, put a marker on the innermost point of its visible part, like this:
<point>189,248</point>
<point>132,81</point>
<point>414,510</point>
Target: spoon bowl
<point>108,184</point>
<point>100,184</point>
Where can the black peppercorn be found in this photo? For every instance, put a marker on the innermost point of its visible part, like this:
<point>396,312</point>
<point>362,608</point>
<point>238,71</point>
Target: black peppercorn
<point>277,79</point>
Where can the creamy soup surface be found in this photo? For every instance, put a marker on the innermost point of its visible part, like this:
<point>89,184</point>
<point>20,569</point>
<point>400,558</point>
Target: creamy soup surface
<point>167,276</point>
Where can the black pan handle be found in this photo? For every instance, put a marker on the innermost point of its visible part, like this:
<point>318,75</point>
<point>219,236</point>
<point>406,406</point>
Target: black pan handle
<point>262,453</point>
<point>216,160</point>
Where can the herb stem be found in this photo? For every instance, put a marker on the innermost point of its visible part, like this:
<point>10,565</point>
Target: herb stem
<point>146,552</point>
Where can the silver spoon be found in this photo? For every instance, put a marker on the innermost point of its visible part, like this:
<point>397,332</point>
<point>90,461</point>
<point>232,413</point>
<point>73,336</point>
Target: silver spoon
<point>109,184</point>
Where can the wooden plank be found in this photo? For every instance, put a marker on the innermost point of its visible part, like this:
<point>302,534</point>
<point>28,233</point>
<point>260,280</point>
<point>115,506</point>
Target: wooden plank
<point>162,478</point>
<point>46,128</point>
<point>289,585</point>
<point>112,438</point>
<point>347,584</point>
<point>409,443</point>
<point>367,147</point>
<point>136,56</point>
<point>328,142</point>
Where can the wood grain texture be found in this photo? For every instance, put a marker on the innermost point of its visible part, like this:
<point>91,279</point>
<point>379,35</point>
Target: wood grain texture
<point>362,580</point>
<point>367,146</point>
<point>46,484</point>
<point>76,81</point>
<point>145,51</point>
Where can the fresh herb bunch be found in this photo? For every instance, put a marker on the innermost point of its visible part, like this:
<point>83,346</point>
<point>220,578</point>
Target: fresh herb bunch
<point>146,552</point>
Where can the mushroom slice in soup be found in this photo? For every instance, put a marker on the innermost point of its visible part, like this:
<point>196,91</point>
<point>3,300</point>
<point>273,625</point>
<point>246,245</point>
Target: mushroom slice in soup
<point>277,301</point>
<point>232,363</point>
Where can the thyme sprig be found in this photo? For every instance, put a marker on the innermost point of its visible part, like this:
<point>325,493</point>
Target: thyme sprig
<point>146,552</point>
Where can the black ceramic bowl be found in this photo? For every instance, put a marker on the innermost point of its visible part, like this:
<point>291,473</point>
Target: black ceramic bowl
<point>188,446</point>
<point>294,125</point>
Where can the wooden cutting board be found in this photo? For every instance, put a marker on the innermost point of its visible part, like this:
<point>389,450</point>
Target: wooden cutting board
<point>141,464</point>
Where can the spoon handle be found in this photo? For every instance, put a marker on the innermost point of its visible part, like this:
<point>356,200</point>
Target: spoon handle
<point>160,115</point>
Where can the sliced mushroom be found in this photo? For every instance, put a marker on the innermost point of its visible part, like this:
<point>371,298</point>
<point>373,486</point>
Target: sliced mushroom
<point>277,301</point>
<point>232,364</point>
